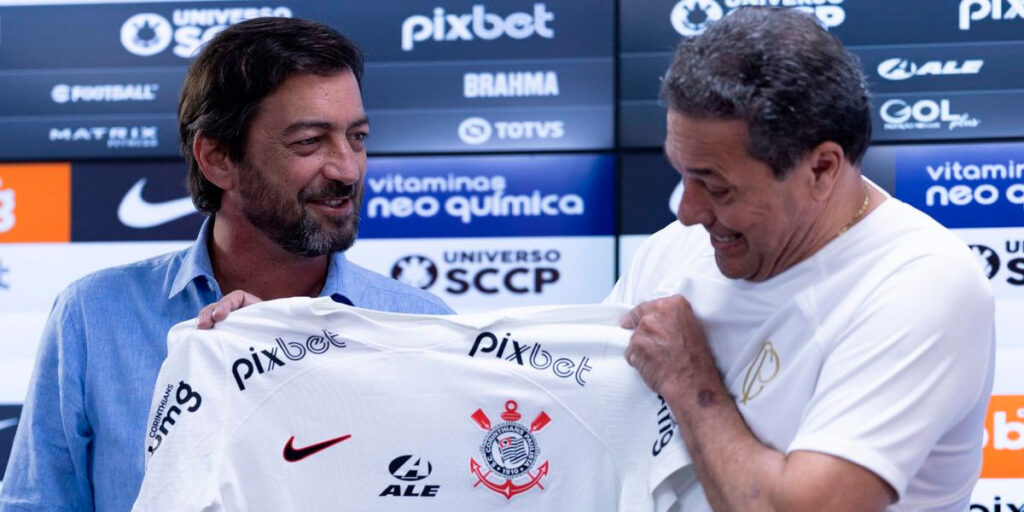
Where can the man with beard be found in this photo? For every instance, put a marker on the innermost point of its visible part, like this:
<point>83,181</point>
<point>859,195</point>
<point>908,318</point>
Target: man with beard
<point>273,132</point>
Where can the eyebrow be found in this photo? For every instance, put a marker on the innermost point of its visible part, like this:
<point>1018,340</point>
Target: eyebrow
<point>698,171</point>
<point>323,125</point>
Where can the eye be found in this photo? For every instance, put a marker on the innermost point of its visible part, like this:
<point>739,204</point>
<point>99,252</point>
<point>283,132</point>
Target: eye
<point>307,142</point>
<point>718,193</point>
<point>359,136</point>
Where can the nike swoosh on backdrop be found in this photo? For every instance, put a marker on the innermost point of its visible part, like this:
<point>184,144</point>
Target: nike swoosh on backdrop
<point>136,212</point>
<point>8,423</point>
<point>292,454</point>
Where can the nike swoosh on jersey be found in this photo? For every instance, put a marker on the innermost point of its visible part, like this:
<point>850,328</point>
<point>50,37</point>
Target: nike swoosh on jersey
<point>292,454</point>
<point>8,423</point>
<point>136,212</point>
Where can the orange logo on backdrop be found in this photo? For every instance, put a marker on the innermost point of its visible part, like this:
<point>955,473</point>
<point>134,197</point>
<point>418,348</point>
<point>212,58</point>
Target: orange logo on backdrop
<point>1004,438</point>
<point>35,202</point>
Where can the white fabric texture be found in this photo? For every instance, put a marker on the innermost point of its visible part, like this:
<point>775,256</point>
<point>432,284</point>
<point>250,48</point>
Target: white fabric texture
<point>544,392</point>
<point>877,349</point>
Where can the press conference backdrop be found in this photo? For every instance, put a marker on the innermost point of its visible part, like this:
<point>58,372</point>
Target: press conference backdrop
<point>515,155</point>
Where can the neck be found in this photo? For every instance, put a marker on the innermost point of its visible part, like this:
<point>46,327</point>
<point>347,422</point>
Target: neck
<point>244,258</point>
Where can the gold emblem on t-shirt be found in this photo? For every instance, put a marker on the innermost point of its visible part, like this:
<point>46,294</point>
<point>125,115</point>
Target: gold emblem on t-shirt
<point>761,371</point>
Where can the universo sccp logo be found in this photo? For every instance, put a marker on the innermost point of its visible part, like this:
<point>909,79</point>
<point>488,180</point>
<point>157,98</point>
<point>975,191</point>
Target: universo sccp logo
<point>1011,262</point>
<point>148,34</point>
<point>415,270</point>
<point>485,272</point>
<point>691,17</point>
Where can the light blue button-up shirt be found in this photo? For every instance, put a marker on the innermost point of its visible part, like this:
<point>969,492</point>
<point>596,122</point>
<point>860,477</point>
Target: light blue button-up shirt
<point>80,440</point>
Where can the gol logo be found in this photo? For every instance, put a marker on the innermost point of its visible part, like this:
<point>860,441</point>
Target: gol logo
<point>1004,438</point>
<point>35,202</point>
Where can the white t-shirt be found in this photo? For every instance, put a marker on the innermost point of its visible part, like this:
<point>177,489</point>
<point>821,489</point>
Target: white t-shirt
<point>877,349</point>
<point>306,405</point>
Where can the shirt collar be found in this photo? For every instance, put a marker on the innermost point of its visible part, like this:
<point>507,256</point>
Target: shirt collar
<point>337,278</point>
<point>196,263</point>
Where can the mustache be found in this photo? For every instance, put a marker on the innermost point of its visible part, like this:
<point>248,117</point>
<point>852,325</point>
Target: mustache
<point>329,190</point>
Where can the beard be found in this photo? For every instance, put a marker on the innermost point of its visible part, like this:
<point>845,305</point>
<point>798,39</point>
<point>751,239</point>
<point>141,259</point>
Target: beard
<point>290,224</point>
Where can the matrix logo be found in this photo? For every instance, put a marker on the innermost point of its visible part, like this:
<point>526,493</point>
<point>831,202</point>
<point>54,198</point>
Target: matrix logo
<point>148,34</point>
<point>903,69</point>
<point>897,114</point>
<point>996,10</point>
<point>691,17</point>
<point>6,208</point>
<point>114,136</point>
<point>477,130</point>
<point>478,24</point>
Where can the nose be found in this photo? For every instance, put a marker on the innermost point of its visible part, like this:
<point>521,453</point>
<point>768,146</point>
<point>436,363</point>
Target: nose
<point>695,208</point>
<point>343,163</point>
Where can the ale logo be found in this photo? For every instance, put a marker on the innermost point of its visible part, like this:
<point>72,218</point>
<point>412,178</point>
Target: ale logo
<point>1004,438</point>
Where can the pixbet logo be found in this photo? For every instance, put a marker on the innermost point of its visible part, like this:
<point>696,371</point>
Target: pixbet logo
<point>185,397</point>
<point>534,356</point>
<point>478,24</point>
<point>267,360</point>
<point>410,468</point>
<point>923,115</point>
<point>147,34</point>
<point>64,93</point>
<point>903,69</point>
<point>691,17</point>
<point>477,130</point>
<point>977,10</point>
<point>6,208</point>
<point>998,505</point>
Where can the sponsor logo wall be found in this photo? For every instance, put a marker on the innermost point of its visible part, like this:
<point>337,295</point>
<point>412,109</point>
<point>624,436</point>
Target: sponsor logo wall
<point>937,70</point>
<point>978,192</point>
<point>492,231</point>
<point>107,84</point>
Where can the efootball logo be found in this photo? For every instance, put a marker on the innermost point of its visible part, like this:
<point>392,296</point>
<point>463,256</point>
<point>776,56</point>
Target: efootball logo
<point>415,270</point>
<point>510,450</point>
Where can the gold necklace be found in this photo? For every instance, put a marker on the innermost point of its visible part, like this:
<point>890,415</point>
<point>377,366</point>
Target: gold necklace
<point>860,212</point>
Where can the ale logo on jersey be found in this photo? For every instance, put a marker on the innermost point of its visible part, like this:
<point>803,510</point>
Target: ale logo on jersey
<point>410,468</point>
<point>1003,455</point>
<point>147,34</point>
<point>510,450</point>
<point>691,17</point>
<point>990,10</point>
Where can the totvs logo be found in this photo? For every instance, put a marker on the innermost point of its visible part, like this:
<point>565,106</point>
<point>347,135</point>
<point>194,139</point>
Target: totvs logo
<point>1004,438</point>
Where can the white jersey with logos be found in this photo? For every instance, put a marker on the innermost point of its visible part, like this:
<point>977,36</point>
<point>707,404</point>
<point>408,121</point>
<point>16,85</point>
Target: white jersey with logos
<point>876,349</point>
<point>308,405</point>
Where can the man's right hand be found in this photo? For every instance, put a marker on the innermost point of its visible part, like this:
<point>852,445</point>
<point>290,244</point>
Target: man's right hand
<point>218,311</point>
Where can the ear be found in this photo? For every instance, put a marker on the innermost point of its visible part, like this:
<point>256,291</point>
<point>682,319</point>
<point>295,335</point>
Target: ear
<point>214,162</point>
<point>826,164</point>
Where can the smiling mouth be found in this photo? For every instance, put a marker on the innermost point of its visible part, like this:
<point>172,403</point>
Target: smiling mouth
<point>724,239</point>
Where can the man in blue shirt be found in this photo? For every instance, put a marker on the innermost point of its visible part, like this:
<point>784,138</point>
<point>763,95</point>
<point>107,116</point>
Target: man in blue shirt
<point>273,132</point>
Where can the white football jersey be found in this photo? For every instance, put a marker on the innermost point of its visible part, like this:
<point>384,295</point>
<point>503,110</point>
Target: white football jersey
<point>304,404</point>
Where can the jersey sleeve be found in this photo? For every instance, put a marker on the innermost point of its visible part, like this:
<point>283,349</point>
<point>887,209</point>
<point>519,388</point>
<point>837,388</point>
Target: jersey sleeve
<point>644,437</point>
<point>907,368</point>
<point>185,427</point>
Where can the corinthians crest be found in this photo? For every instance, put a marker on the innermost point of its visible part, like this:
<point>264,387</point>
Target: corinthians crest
<point>510,450</point>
